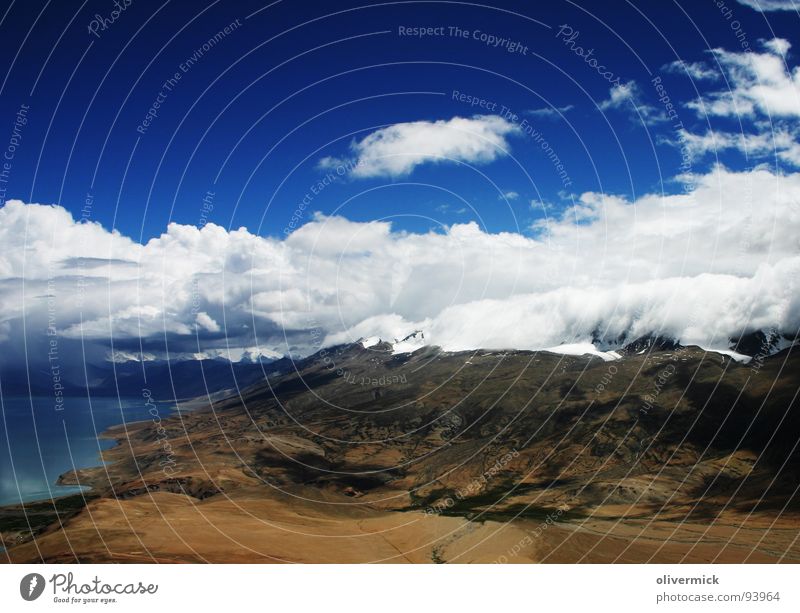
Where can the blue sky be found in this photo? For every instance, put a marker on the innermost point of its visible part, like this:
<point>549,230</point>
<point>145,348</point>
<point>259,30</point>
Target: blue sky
<point>250,120</point>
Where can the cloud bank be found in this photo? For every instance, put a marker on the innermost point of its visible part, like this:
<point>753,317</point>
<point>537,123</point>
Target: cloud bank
<point>759,84</point>
<point>702,267</point>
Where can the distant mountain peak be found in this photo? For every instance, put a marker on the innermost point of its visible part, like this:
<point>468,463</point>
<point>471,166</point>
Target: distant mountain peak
<point>408,344</point>
<point>651,342</point>
<point>761,343</point>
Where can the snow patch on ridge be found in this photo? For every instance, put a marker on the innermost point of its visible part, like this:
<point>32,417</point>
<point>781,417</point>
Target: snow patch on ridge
<point>738,357</point>
<point>412,342</point>
<point>583,349</point>
<point>408,344</point>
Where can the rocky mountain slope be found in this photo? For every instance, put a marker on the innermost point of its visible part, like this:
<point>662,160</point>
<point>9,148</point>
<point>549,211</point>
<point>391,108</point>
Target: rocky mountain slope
<point>358,453</point>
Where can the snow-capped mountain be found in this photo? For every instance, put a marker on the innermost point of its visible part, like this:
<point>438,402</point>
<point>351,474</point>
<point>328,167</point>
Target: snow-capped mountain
<point>408,344</point>
<point>754,345</point>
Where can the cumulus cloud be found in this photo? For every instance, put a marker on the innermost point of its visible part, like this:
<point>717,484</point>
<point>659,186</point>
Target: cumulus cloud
<point>398,149</point>
<point>762,89</point>
<point>702,266</point>
<point>620,95</point>
<point>781,144</point>
<point>628,97</point>
<point>770,5</point>
<point>779,46</point>
<point>759,84</point>
<point>698,71</point>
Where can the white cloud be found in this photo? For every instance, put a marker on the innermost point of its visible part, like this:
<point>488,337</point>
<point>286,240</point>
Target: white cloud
<point>760,83</point>
<point>510,195</point>
<point>550,111</point>
<point>702,266</point>
<point>396,150</point>
<point>771,5</point>
<point>768,145</point>
<point>698,71</point>
<point>330,162</point>
<point>205,321</point>
<point>446,208</point>
<point>628,97</point>
<point>779,46</point>
<point>621,95</point>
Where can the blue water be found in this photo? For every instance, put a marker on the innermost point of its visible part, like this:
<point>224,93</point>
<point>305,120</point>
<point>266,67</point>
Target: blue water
<point>38,443</point>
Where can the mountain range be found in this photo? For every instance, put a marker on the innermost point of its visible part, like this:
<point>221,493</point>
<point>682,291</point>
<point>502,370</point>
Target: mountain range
<point>665,453</point>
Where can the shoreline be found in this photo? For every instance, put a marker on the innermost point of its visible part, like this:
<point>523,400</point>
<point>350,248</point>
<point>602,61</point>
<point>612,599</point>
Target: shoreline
<point>107,434</point>
<point>22,520</point>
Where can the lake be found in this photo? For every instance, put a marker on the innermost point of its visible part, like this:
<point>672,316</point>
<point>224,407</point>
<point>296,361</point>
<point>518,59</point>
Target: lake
<point>38,443</point>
